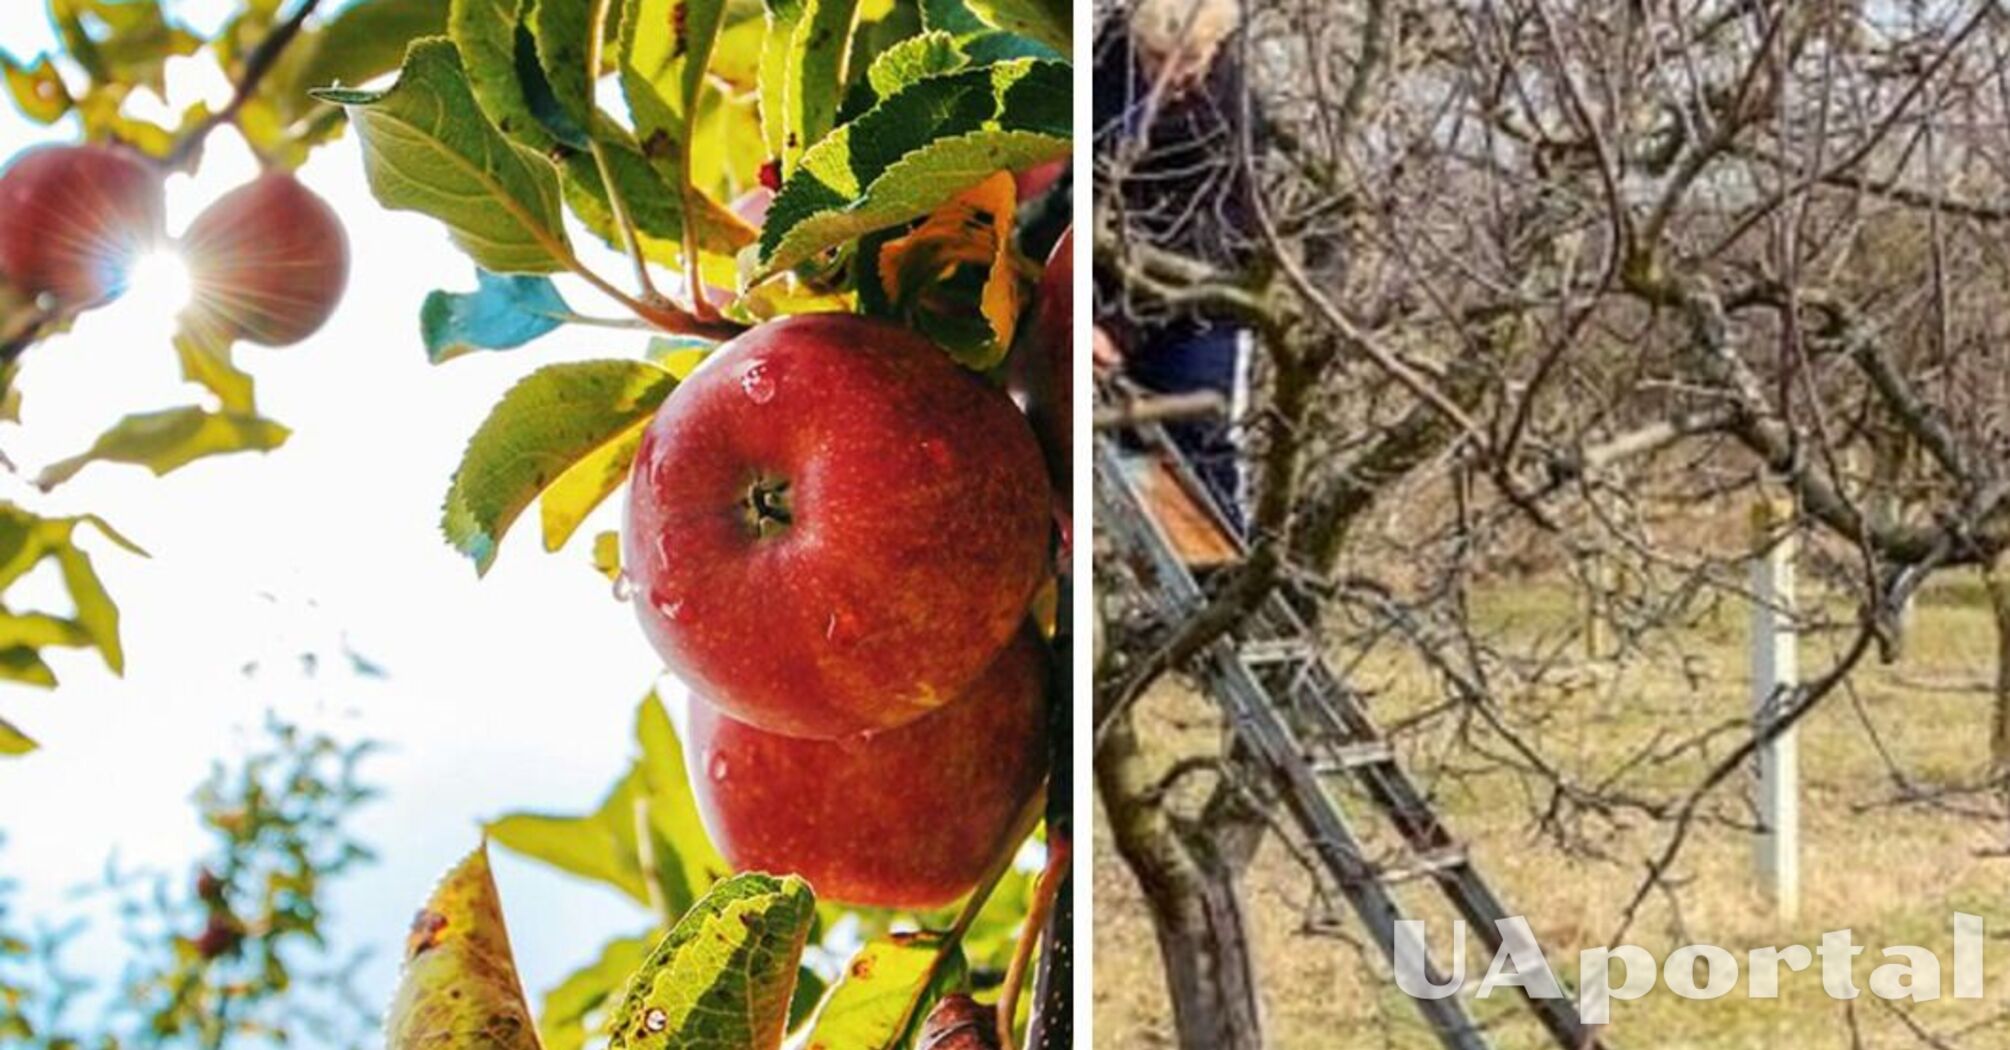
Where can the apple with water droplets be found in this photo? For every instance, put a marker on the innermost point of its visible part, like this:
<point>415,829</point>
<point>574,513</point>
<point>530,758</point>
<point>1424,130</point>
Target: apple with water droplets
<point>72,219</point>
<point>832,528</point>
<point>269,261</point>
<point>909,818</point>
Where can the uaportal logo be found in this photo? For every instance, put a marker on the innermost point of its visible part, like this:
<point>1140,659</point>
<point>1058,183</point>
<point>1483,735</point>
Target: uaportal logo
<point>1696,971</point>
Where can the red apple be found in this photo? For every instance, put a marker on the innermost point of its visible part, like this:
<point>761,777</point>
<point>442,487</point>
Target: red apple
<point>832,527</point>
<point>73,217</point>
<point>1043,363</point>
<point>908,818</point>
<point>269,261</point>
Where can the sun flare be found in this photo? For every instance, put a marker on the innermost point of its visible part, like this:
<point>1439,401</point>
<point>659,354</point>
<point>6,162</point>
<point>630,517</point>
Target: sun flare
<point>159,282</point>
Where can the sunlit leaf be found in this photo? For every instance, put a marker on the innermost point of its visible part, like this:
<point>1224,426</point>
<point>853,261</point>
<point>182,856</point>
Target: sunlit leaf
<point>1051,22</point>
<point>206,360</point>
<point>38,90</point>
<point>974,230</point>
<point>912,152</point>
<point>653,206</point>
<point>572,1007</point>
<point>607,554</point>
<point>170,439</point>
<point>365,39</point>
<point>558,30</point>
<point>428,148</point>
<point>724,974</point>
<point>500,58</point>
<point>802,72</point>
<point>923,55</point>
<point>550,422</point>
<point>13,742</point>
<point>886,991</point>
<point>693,863</point>
<point>502,313</point>
<point>459,989</point>
<point>600,846</point>
<point>26,666</point>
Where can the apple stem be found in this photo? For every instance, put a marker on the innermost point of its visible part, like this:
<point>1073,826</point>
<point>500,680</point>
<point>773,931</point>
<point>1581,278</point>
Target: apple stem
<point>768,511</point>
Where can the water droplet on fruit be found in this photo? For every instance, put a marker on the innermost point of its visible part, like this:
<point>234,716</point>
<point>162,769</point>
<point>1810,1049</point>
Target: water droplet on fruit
<point>937,453</point>
<point>672,611</point>
<point>716,769</point>
<point>758,380</point>
<point>858,741</point>
<point>624,586</point>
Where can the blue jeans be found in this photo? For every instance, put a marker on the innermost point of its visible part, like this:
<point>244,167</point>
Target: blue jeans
<point>1186,357</point>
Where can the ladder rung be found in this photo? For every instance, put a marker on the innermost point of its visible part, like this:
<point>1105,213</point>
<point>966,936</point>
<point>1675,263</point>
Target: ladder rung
<point>1426,864</point>
<point>1275,651</point>
<point>1349,757</point>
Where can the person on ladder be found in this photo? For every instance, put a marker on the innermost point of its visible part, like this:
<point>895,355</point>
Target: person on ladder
<point>1168,146</point>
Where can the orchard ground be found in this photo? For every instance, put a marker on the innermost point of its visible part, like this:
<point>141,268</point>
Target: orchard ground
<point>513,692</point>
<point>1893,876</point>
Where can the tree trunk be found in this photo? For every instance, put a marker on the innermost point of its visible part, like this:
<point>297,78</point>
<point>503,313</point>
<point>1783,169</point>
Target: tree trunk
<point>1196,908</point>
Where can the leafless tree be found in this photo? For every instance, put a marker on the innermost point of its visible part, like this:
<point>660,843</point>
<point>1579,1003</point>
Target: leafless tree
<point>1542,274</point>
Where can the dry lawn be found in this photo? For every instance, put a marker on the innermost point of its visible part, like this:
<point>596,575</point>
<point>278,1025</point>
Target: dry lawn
<point>1893,875</point>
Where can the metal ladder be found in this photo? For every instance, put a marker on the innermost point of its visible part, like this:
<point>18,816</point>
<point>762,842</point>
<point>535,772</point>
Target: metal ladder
<point>1309,734</point>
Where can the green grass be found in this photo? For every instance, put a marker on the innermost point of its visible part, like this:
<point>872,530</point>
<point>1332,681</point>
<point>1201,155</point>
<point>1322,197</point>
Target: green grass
<point>1893,875</point>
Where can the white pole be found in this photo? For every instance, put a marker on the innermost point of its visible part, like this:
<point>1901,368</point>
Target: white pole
<point>1776,669</point>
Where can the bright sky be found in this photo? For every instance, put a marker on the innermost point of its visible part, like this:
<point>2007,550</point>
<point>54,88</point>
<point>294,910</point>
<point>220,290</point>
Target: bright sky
<point>514,692</point>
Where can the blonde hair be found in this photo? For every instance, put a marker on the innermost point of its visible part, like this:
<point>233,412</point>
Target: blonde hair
<point>1176,40</point>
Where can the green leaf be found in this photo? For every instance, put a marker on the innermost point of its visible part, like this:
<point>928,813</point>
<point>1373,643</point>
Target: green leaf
<point>604,846</point>
<point>367,39</point>
<point>553,420</point>
<point>691,864</point>
<point>494,44</point>
<point>918,57</point>
<point>121,42</point>
<point>803,72</point>
<point>170,439</point>
<point>886,992</point>
<point>664,50</point>
<point>26,666</point>
<point>567,1020</point>
<point>38,89</point>
<point>655,208</point>
<point>810,989</point>
<point>502,313</point>
<point>96,615</point>
<point>459,989</point>
<point>600,846</point>
<point>723,975</point>
<point>587,484</point>
<point>559,29</point>
<point>607,555</point>
<point>1051,22</point>
<point>206,360</point>
<point>428,148</point>
<point>13,742</point>
<point>914,151</point>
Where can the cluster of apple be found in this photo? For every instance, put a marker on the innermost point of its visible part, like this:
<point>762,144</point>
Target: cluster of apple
<point>835,533</point>
<point>267,261</point>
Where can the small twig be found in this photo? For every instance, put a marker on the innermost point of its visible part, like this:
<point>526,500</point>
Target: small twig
<point>257,64</point>
<point>1060,858</point>
<point>623,220</point>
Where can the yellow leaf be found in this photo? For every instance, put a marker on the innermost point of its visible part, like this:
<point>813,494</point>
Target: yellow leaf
<point>460,989</point>
<point>973,229</point>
